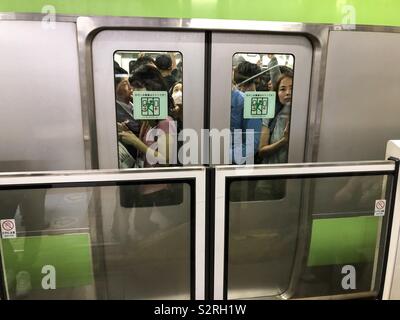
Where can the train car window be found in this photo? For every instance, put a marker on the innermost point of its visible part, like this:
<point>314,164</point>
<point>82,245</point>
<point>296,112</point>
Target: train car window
<point>261,102</point>
<point>148,123</point>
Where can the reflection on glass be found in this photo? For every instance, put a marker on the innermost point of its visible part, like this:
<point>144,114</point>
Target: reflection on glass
<point>261,100</point>
<point>148,123</point>
<point>301,245</point>
<point>153,237</point>
<point>80,243</point>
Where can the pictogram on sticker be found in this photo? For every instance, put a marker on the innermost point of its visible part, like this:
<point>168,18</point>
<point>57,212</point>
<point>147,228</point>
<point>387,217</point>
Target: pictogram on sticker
<point>8,225</point>
<point>8,229</point>
<point>380,207</point>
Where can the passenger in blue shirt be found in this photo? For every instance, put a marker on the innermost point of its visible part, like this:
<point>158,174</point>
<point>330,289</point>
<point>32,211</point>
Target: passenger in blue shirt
<point>244,150</point>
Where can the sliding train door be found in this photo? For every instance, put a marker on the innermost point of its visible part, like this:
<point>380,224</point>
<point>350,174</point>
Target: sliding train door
<point>273,56</point>
<point>260,82</point>
<point>128,96</point>
<point>122,49</point>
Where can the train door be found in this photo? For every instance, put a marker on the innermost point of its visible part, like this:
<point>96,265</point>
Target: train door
<point>274,55</point>
<point>123,49</point>
<point>131,97</point>
<point>248,73</point>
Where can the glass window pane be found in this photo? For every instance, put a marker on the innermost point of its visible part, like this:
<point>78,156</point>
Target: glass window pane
<point>149,107</point>
<point>261,102</point>
<point>306,243</point>
<point>99,242</point>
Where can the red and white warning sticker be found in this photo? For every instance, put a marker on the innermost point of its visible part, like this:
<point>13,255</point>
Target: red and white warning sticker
<point>8,229</point>
<point>380,207</point>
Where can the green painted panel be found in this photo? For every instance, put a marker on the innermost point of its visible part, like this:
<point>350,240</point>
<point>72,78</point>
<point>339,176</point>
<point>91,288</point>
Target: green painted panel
<point>69,254</point>
<point>375,12</point>
<point>343,240</point>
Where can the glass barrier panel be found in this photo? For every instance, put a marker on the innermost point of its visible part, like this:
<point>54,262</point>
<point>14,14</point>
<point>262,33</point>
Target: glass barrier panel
<point>324,236</point>
<point>261,103</point>
<point>99,241</point>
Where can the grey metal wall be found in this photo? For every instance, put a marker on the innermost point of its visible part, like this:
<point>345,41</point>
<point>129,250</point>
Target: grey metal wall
<point>362,95</point>
<point>40,106</point>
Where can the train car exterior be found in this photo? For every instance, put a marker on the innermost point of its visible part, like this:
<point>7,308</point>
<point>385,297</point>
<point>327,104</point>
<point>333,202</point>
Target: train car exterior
<point>58,113</point>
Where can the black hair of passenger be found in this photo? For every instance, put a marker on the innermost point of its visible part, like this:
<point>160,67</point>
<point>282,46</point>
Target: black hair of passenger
<point>150,78</point>
<point>246,70</point>
<point>263,84</point>
<point>134,64</point>
<point>286,70</point>
<point>163,62</point>
<point>119,74</point>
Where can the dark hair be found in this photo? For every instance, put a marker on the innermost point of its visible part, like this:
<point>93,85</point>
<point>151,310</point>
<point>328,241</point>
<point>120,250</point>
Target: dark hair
<point>281,77</point>
<point>119,73</point>
<point>263,84</point>
<point>149,77</point>
<point>163,62</point>
<point>134,64</point>
<point>286,70</point>
<point>244,71</point>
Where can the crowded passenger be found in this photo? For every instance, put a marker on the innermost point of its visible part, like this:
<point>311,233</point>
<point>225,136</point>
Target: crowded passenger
<point>141,60</point>
<point>176,93</point>
<point>243,81</point>
<point>165,64</point>
<point>274,139</point>
<point>124,113</point>
<point>148,78</point>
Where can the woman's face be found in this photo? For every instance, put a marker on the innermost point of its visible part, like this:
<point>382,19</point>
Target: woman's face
<point>285,90</point>
<point>177,88</point>
<point>177,94</point>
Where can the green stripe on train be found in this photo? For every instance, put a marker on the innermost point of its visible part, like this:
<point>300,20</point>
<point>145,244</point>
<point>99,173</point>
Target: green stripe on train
<point>373,12</point>
<point>68,256</point>
<point>343,240</point>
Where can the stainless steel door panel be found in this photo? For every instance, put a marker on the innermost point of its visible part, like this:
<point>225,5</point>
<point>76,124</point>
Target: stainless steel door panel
<point>225,45</point>
<point>189,44</point>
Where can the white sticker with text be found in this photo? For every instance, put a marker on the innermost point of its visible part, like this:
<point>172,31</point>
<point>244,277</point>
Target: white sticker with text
<point>380,208</point>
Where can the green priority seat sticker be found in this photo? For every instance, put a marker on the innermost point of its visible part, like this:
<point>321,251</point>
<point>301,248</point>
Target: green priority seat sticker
<point>51,261</point>
<point>150,105</point>
<point>259,105</point>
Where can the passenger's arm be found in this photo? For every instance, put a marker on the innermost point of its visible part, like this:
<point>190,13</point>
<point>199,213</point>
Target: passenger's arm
<point>267,149</point>
<point>128,137</point>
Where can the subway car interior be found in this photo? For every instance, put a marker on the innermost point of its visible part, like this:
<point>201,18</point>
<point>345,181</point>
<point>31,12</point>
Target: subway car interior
<point>199,151</point>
